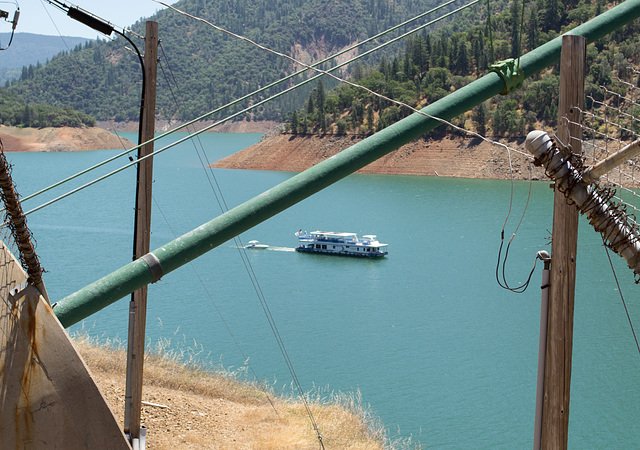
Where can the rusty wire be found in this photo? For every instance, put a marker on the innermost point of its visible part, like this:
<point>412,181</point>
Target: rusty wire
<point>608,218</point>
<point>16,221</point>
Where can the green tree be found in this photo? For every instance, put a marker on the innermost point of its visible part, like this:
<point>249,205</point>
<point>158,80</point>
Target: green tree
<point>27,115</point>
<point>321,96</point>
<point>532,29</point>
<point>462,60</point>
<point>551,15</point>
<point>479,117</point>
<point>370,118</point>
<point>479,56</point>
<point>342,126</point>
<point>507,120</point>
<point>514,13</point>
<point>294,122</point>
<point>310,106</point>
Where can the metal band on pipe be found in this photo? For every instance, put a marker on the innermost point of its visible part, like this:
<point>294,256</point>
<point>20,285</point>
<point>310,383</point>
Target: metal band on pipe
<point>154,264</point>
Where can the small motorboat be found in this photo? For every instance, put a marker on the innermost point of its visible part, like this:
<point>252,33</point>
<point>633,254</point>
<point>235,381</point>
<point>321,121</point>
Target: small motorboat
<point>256,245</point>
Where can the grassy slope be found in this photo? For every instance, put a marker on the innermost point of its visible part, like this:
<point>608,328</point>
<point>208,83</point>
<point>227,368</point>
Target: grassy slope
<point>205,410</point>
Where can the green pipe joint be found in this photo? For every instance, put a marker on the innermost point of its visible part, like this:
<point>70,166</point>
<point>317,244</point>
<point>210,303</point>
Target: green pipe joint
<point>510,72</point>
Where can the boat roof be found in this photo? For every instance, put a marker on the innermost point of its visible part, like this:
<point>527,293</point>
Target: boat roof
<point>334,233</point>
<point>346,235</point>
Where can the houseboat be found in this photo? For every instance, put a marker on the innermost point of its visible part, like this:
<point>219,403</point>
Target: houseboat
<point>339,243</point>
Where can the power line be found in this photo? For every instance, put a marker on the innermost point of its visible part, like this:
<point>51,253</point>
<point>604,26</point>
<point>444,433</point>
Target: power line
<point>255,283</point>
<point>260,103</point>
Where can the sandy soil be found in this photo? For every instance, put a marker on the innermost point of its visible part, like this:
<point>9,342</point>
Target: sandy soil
<point>64,139</point>
<point>190,409</point>
<point>450,157</point>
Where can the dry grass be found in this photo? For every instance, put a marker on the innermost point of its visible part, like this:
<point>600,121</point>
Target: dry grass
<point>216,410</point>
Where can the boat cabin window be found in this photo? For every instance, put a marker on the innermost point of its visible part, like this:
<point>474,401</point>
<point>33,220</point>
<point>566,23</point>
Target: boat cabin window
<point>324,246</point>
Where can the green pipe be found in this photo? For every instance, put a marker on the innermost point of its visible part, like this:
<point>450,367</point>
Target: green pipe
<point>195,243</point>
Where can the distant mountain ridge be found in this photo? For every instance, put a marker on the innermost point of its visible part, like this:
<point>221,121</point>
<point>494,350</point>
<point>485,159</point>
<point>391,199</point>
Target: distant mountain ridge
<point>29,48</point>
<point>102,79</point>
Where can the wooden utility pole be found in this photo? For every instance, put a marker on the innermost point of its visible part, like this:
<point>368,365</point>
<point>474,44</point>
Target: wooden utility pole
<point>557,378</point>
<point>138,304</point>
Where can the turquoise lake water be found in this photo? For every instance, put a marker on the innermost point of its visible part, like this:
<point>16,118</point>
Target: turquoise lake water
<point>437,349</point>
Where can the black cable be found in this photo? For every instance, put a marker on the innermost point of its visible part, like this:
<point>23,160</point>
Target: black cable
<point>14,24</point>
<point>142,99</point>
<point>503,283</point>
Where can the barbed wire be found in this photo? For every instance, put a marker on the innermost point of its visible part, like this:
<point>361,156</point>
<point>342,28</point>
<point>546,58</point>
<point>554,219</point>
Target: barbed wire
<point>608,125</point>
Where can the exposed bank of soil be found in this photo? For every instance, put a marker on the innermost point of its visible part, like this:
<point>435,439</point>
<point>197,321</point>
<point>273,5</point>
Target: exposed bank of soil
<point>449,157</point>
<point>64,139</point>
<point>242,126</point>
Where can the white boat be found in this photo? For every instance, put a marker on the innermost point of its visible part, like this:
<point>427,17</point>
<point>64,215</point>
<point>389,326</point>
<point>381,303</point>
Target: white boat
<point>339,243</point>
<point>256,245</point>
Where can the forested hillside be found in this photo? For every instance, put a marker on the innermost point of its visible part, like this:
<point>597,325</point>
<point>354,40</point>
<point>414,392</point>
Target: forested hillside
<point>431,65</point>
<point>210,68</point>
<point>14,111</point>
<point>30,49</point>
<point>103,78</point>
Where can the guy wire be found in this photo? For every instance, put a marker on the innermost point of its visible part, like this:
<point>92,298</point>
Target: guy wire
<point>624,303</point>
<point>222,205</point>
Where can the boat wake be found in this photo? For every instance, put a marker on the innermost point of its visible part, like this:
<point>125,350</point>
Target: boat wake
<point>272,248</point>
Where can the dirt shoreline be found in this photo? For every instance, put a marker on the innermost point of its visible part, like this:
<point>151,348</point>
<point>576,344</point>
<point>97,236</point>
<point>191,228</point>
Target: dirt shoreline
<point>63,139</point>
<point>104,135</point>
<point>241,126</point>
<point>449,157</point>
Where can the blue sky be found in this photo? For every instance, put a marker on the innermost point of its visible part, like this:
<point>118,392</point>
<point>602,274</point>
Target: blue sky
<point>38,16</point>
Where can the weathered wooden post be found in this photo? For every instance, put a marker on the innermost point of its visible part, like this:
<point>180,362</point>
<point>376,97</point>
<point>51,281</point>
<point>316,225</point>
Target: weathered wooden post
<point>557,379</point>
<point>138,304</point>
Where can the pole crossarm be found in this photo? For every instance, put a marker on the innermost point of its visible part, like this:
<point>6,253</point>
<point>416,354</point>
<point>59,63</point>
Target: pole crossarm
<point>195,243</point>
<point>590,200</point>
<point>594,172</point>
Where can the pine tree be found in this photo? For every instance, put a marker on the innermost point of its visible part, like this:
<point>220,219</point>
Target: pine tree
<point>370,118</point>
<point>551,15</point>
<point>453,55</point>
<point>480,119</point>
<point>478,53</point>
<point>321,96</point>
<point>358,71</point>
<point>310,106</point>
<point>532,30</point>
<point>462,60</point>
<point>515,28</point>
